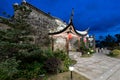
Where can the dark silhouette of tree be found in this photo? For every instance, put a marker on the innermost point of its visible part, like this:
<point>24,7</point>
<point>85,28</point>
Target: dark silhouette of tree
<point>101,38</point>
<point>109,41</point>
<point>16,39</point>
<point>118,38</point>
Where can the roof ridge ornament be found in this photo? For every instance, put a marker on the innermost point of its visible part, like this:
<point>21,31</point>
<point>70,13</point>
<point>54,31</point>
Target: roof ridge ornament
<point>71,16</point>
<point>88,29</point>
<point>15,4</point>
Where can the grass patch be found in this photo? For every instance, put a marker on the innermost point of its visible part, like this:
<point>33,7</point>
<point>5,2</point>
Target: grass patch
<point>66,76</point>
<point>115,56</point>
<point>118,56</point>
<point>112,55</point>
<point>60,76</point>
<point>86,55</point>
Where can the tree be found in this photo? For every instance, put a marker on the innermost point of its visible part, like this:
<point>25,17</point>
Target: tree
<point>17,42</point>
<point>118,38</point>
<point>109,41</point>
<point>17,38</point>
<point>8,68</point>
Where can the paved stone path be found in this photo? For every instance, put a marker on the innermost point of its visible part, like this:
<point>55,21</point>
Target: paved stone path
<point>97,67</point>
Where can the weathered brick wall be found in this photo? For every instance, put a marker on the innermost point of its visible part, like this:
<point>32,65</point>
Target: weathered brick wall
<point>42,22</point>
<point>38,18</point>
<point>60,43</point>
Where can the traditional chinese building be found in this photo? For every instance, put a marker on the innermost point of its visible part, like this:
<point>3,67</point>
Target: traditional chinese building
<point>69,39</point>
<point>64,37</point>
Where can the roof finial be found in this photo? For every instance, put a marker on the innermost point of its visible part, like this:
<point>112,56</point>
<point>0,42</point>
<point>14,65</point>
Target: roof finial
<point>72,14</point>
<point>24,1</point>
<point>15,4</point>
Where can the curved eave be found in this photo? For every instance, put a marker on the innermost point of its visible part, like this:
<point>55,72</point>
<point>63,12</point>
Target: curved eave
<point>84,33</point>
<point>71,24</point>
<point>60,30</point>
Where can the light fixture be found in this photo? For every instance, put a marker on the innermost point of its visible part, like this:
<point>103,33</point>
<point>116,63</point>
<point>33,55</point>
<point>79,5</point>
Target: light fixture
<point>71,68</point>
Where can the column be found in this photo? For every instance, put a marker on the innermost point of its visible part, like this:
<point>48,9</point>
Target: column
<point>52,44</point>
<point>67,45</point>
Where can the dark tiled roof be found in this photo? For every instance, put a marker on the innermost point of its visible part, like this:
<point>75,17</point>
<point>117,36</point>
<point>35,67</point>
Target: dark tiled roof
<point>71,23</point>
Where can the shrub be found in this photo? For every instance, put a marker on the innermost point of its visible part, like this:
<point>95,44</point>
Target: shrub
<point>30,71</point>
<point>48,53</point>
<point>91,51</point>
<point>31,56</point>
<point>66,61</point>
<point>31,65</point>
<point>52,65</point>
<point>8,69</point>
<point>111,54</point>
<point>60,54</point>
<point>84,50</point>
<point>116,52</point>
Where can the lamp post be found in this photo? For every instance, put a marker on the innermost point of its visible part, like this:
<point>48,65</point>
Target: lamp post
<point>91,39</point>
<point>87,38</point>
<point>71,68</point>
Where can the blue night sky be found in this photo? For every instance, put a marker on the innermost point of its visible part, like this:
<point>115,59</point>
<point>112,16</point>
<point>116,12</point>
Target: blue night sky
<point>101,16</point>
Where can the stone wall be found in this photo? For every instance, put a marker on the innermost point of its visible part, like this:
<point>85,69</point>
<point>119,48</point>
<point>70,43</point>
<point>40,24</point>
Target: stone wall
<point>42,22</point>
<point>60,43</point>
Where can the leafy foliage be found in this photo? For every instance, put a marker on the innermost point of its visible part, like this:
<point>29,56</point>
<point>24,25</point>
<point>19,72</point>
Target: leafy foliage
<point>84,50</point>
<point>114,53</point>
<point>66,61</point>
<point>32,70</point>
<point>16,45</point>
<point>16,42</point>
<point>8,69</point>
<point>117,38</point>
<point>16,38</point>
<point>60,54</point>
<point>52,65</point>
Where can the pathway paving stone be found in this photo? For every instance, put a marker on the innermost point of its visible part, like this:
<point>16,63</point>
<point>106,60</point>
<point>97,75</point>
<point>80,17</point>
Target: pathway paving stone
<point>97,67</point>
